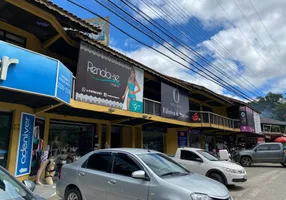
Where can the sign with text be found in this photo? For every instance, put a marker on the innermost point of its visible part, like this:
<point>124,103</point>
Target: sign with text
<point>105,80</point>
<point>182,139</point>
<point>31,72</point>
<point>174,103</point>
<point>257,123</point>
<point>25,145</point>
<point>64,83</point>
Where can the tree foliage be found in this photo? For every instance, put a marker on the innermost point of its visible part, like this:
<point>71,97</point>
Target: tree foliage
<point>273,105</point>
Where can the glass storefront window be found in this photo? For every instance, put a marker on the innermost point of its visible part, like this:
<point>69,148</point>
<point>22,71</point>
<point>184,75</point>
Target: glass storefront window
<point>65,138</point>
<point>5,129</point>
<point>154,140</point>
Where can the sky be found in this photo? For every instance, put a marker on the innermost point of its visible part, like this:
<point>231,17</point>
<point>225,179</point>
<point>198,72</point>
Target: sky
<point>241,43</point>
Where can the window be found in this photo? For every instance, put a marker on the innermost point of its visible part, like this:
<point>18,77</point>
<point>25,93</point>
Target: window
<point>161,164</point>
<point>263,148</point>
<point>99,161</point>
<point>187,155</point>
<point>12,38</point>
<point>274,147</point>
<point>124,165</point>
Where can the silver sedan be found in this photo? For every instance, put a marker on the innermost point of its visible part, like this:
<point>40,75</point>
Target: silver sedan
<point>133,174</point>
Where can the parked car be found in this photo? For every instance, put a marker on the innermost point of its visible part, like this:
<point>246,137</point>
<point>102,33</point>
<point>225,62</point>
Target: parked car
<point>261,153</point>
<point>11,188</point>
<point>204,163</point>
<point>125,174</point>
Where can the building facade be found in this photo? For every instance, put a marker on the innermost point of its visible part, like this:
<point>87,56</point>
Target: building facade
<point>60,87</point>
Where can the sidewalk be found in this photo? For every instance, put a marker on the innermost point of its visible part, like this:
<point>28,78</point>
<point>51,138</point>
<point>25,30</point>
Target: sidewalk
<point>47,192</point>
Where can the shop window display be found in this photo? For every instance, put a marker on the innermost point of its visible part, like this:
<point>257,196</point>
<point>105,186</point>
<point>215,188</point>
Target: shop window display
<point>153,140</point>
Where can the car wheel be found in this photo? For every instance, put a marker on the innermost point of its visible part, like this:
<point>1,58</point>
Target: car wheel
<point>73,194</point>
<point>217,177</point>
<point>245,161</point>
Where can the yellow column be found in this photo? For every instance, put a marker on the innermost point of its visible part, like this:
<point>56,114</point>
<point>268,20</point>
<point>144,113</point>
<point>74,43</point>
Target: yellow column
<point>133,137</point>
<point>108,134</point>
<point>99,134</point>
<point>14,137</point>
<point>46,132</point>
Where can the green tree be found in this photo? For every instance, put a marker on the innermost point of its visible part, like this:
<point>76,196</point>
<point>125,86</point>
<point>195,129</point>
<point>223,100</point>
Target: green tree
<point>280,112</point>
<point>266,105</point>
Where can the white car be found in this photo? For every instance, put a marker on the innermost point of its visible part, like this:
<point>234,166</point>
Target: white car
<point>204,163</point>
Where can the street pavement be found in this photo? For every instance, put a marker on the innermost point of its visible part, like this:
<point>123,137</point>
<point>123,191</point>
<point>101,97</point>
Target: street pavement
<point>265,182</point>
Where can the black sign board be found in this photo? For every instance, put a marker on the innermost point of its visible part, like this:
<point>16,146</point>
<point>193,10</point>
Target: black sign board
<point>174,103</point>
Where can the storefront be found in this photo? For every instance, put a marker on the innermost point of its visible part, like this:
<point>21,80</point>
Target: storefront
<point>154,138</point>
<point>5,130</point>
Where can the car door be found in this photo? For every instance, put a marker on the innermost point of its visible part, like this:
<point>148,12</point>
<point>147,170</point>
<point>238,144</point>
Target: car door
<point>261,153</point>
<point>93,176</point>
<point>121,186</point>
<point>276,154</point>
<point>192,161</point>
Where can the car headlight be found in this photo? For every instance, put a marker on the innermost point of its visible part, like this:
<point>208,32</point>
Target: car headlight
<point>197,196</point>
<point>233,171</point>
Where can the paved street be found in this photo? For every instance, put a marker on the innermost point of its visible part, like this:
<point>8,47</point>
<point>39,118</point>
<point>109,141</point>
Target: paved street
<point>265,182</point>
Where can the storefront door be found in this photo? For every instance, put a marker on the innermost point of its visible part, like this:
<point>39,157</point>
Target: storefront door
<point>5,129</point>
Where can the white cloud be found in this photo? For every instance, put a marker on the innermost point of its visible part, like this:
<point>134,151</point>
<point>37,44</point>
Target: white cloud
<point>241,53</point>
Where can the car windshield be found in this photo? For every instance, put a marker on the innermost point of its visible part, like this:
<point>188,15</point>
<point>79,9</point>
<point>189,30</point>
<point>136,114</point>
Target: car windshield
<point>207,155</point>
<point>10,189</point>
<point>163,165</point>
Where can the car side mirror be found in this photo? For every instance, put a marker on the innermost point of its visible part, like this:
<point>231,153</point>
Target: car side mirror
<point>140,174</point>
<point>29,184</point>
<point>199,160</point>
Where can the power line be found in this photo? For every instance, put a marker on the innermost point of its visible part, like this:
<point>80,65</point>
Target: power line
<point>230,87</point>
<point>154,49</point>
<point>266,28</point>
<point>173,37</point>
<point>255,31</point>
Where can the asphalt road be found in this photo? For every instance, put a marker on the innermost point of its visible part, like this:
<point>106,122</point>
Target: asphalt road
<point>265,182</point>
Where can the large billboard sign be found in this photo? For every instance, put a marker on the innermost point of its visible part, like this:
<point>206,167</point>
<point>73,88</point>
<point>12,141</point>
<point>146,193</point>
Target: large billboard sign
<point>104,80</point>
<point>174,103</point>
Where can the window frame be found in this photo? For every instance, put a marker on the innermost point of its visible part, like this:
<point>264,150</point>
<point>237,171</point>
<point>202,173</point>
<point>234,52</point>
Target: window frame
<point>190,153</point>
<point>132,158</point>
<point>274,149</point>
<point>11,41</point>
<point>257,148</point>
<point>85,164</point>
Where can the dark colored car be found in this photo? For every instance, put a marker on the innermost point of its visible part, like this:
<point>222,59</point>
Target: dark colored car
<point>12,189</point>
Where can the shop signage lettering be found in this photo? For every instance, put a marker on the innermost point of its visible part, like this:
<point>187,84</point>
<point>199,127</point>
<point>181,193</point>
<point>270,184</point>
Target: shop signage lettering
<point>174,103</point>
<point>5,63</point>
<point>105,80</point>
<point>25,145</point>
<point>103,74</point>
<point>246,119</point>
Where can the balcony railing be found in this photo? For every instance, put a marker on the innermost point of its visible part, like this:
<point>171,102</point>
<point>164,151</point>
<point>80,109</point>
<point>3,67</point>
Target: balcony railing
<point>213,119</point>
<point>152,107</point>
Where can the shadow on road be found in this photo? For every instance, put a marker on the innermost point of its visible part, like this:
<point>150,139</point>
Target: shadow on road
<point>235,188</point>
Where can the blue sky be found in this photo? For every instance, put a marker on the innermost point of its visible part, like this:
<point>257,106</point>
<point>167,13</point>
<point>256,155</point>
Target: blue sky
<point>231,46</point>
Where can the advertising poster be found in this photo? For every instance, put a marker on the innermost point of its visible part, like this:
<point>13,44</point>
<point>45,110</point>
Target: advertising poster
<point>25,145</point>
<point>104,80</point>
<point>174,103</point>
<point>182,139</point>
<point>246,119</point>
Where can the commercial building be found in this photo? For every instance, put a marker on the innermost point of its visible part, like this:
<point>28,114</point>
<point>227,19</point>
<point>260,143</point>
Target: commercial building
<point>61,87</point>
